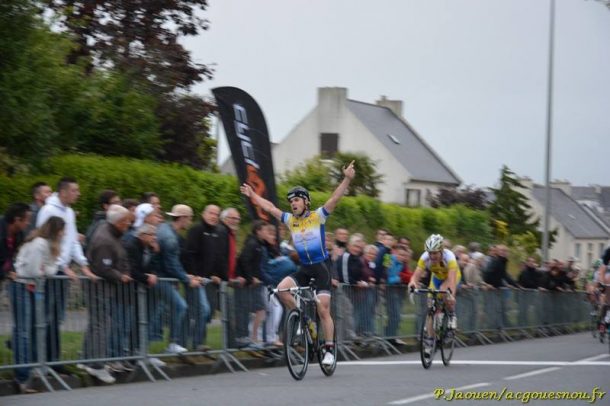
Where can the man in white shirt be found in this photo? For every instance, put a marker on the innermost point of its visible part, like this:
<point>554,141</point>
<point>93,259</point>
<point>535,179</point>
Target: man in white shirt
<point>56,291</point>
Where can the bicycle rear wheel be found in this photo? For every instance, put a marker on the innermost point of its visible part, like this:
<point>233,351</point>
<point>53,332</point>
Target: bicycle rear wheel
<point>447,340</point>
<point>296,348</point>
<point>327,370</point>
<point>427,342</point>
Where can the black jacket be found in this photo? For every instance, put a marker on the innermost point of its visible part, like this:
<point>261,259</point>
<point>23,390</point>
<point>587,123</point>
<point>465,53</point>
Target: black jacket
<point>353,273</point>
<point>203,243</point>
<point>250,259</point>
<point>529,278</point>
<point>496,274</point>
<point>5,256</point>
<point>552,281</point>
<point>135,252</point>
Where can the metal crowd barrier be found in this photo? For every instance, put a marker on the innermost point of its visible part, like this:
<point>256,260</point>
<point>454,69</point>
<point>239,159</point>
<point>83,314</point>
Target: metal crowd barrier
<point>48,323</point>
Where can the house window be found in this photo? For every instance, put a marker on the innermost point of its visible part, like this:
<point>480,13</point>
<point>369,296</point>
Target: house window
<point>413,197</point>
<point>577,250</point>
<point>601,249</point>
<point>590,247</point>
<point>329,144</point>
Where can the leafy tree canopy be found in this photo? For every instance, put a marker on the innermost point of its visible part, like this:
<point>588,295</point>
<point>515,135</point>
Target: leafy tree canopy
<point>324,175</point>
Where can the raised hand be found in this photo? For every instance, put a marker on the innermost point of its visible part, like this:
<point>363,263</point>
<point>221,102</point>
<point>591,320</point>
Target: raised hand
<point>349,171</point>
<point>246,190</point>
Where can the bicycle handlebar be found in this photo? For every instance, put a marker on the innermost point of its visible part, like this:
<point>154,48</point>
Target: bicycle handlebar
<point>418,290</point>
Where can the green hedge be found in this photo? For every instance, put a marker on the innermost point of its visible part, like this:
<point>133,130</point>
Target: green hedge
<point>130,178</point>
<point>180,184</point>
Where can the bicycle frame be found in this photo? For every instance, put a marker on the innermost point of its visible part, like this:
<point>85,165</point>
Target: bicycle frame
<point>435,328</point>
<point>297,363</point>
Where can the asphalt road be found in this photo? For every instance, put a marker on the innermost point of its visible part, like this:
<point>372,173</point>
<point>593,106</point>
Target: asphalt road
<point>572,363</point>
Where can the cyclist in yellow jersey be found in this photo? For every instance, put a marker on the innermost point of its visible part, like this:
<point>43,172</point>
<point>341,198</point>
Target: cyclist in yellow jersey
<point>307,229</point>
<point>445,271</point>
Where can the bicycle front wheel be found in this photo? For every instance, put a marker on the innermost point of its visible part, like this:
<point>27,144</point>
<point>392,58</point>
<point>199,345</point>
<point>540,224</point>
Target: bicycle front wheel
<point>447,341</point>
<point>427,341</point>
<point>296,348</point>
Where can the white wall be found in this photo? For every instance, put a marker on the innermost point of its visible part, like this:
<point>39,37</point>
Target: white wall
<point>331,115</point>
<point>301,144</point>
<point>565,244</point>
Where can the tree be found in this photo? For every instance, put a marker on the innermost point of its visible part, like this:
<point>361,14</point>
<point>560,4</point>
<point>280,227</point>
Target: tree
<point>312,174</point>
<point>139,39</point>
<point>323,176</point>
<point>512,210</point>
<point>136,37</point>
<point>366,180</point>
<point>185,132</point>
<point>469,196</point>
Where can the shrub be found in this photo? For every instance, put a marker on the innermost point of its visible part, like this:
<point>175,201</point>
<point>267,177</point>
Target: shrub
<point>181,184</point>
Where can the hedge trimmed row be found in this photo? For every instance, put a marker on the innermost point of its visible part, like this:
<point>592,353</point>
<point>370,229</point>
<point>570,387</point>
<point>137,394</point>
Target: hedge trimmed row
<point>181,184</point>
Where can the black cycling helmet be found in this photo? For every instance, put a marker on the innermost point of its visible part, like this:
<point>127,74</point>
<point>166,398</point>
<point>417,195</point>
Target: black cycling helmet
<point>298,191</point>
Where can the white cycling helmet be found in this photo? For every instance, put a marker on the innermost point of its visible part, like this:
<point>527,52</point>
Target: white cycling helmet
<point>434,243</point>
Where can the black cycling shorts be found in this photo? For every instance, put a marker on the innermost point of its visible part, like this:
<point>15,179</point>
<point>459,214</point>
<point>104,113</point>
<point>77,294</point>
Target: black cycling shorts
<point>321,272</point>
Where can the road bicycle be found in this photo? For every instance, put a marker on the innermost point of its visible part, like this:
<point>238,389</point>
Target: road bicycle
<point>303,334</point>
<point>435,332</point>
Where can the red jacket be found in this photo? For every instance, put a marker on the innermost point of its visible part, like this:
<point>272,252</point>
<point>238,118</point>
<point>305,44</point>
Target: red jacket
<point>406,274</point>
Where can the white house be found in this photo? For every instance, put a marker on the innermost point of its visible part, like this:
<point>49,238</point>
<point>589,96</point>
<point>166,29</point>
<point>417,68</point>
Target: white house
<point>412,170</point>
<point>581,233</point>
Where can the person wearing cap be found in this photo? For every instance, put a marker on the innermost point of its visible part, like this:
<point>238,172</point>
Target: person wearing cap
<point>170,245</point>
<point>144,213</point>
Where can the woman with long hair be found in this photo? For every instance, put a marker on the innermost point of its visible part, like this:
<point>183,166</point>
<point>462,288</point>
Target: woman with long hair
<point>36,259</point>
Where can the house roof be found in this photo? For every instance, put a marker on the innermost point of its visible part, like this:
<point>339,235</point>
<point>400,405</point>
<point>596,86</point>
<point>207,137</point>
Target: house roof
<point>570,214</point>
<point>584,193</point>
<point>404,143</point>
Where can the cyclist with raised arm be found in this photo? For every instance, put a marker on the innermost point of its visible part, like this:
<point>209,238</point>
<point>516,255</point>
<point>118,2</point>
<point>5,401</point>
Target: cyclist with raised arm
<point>444,269</point>
<point>307,229</point>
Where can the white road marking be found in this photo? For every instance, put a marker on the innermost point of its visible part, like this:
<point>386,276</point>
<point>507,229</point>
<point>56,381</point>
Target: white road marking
<point>595,358</point>
<point>478,362</point>
<point>532,373</point>
<point>431,395</point>
<point>556,365</point>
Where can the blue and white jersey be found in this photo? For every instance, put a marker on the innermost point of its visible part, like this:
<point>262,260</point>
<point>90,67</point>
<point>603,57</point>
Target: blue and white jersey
<point>308,235</point>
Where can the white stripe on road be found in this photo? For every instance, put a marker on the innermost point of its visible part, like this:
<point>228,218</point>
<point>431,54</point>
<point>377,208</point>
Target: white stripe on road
<point>595,358</point>
<point>477,362</point>
<point>428,396</point>
<point>586,361</point>
<point>532,373</point>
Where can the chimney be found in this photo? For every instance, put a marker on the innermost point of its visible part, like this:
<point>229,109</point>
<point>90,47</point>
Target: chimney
<point>563,185</point>
<point>394,105</point>
<point>331,104</point>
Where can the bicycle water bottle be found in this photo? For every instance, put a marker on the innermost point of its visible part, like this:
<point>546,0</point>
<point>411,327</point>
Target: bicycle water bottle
<point>312,329</point>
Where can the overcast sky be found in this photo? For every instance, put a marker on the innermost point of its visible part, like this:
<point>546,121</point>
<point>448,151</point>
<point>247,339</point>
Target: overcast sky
<point>472,73</point>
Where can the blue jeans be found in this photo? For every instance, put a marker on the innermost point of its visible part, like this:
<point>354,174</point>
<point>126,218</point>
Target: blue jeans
<point>394,296</point>
<point>364,309</point>
<point>198,315</point>
<point>164,296</point>
<point>24,329</point>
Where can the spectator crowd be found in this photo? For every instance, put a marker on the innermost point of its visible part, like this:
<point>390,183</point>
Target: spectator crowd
<point>129,244</point>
